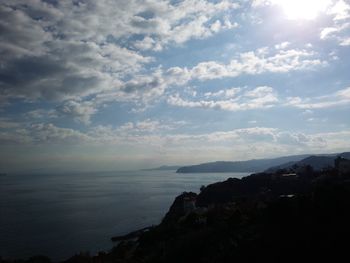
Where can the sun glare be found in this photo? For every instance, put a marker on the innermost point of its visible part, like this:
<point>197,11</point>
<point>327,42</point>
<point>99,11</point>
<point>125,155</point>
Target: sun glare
<point>302,9</point>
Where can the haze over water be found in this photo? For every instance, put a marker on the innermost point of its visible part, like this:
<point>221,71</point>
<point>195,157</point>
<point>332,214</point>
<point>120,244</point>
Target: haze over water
<point>63,214</point>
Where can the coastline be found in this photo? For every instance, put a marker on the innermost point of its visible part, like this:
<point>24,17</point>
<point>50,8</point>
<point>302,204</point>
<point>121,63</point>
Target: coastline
<point>224,213</point>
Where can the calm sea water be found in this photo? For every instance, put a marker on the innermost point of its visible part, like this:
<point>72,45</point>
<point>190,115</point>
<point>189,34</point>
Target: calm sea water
<point>60,215</point>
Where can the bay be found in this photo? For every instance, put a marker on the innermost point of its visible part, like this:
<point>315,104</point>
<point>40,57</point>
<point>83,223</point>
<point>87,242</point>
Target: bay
<point>59,215</point>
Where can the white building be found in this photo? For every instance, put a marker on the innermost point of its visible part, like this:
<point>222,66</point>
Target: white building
<point>189,204</point>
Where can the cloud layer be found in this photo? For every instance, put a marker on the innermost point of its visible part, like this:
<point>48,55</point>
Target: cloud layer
<point>171,80</point>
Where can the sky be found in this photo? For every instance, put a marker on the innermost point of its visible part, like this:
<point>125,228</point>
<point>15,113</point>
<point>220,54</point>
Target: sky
<point>126,84</point>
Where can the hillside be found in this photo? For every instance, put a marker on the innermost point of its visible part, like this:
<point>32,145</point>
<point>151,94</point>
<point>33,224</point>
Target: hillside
<point>317,162</point>
<point>261,217</point>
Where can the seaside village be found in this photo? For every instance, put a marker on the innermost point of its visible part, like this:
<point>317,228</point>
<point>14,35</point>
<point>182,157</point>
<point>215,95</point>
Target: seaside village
<point>241,204</point>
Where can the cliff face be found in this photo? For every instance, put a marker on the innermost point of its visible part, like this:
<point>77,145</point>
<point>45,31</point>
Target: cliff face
<point>177,208</point>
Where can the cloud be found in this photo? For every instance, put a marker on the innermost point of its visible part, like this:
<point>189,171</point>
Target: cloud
<point>147,126</point>
<point>340,10</point>
<point>151,139</point>
<point>176,24</point>
<point>140,136</point>
<point>345,42</point>
<point>19,137</point>
<point>225,93</point>
<point>72,53</point>
<point>258,98</point>
<point>140,90</point>
<point>259,92</point>
<point>40,133</point>
<point>262,97</point>
<point>65,50</point>
<point>6,123</point>
<point>50,134</point>
<point>339,31</point>
<point>41,114</point>
<point>75,70</point>
<point>260,3</point>
<point>328,31</point>
<point>338,99</point>
<point>282,45</point>
<point>79,111</point>
<point>255,63</point>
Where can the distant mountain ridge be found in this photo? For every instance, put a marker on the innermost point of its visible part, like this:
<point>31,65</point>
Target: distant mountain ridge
<point>163,168</point>
<point>259,165</point>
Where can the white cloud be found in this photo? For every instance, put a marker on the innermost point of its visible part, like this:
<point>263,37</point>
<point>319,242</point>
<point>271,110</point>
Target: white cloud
<point>76,50</point>
<point>258,98</point>
<point>79,111</point>
<point>176,24</point>
<point>282,45</point>
<point>337,99</point>
<point>51,134</point>
<point>339,31</point>
<point>254,63</point>
<point>146,126</point>
<point>328,31</point>
<point>259,92</point>
<point>260,3</point>
<point>41,113</point>
<point>139,90</point>
<point>345,42</point>
<point>42,133</point>
<point>340,10</point>
<point>250,142</point>
<point>225,93</point>
<point>263,97</point>
<point>139,140</point>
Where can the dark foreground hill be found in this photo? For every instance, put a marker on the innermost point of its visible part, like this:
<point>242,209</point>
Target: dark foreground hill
<point>260,218</point>
<point>265,217</point>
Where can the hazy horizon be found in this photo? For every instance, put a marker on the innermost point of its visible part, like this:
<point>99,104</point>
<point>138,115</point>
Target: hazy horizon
<point>79,168</point>
<point>124,85</point>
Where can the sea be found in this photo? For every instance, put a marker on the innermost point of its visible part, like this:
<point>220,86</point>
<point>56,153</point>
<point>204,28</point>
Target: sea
<point>60,215</point>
